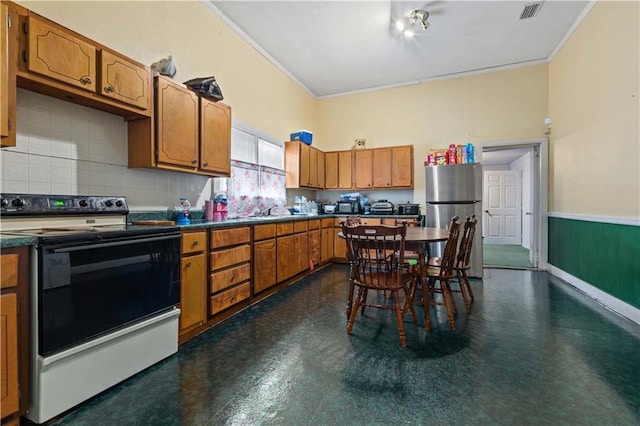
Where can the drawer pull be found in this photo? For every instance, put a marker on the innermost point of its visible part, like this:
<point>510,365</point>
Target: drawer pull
<point>206,163</point>
<point>188,265</point>
<point>195,243</point>
<point>194,161</point>
<point>85,80</point>
<point>109,89</point>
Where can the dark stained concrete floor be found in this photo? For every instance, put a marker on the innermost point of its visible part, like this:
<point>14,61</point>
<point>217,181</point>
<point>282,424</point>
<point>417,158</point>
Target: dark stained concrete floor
<point>533,351</point>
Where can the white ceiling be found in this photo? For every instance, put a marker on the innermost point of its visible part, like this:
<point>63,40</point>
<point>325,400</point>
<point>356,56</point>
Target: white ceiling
<point>338,47</point>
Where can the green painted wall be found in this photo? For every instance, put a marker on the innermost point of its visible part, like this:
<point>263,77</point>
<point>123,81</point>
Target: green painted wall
<point>604,255</point>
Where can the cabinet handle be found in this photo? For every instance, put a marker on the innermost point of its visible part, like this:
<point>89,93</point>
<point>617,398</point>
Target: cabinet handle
<point>206,163</point>
<point>188,265</point>
<point>195,243</point>
<point>194,161</point>
<point>109,89</point>
<point>85,80</point>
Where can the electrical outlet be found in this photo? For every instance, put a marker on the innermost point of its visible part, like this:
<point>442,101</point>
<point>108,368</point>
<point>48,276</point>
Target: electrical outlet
<point>360,143</point>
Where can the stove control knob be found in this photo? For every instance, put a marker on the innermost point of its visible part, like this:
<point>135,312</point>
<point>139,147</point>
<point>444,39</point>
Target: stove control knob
<point>17,202</point>
<point>119,203</point>
<point>4,202</point>
<point>83,203</point>
<point>108,203</point>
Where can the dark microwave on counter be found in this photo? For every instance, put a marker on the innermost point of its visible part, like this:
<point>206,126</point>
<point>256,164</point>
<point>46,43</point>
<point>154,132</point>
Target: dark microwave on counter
<point>348,207</point>
<point>409,209</point>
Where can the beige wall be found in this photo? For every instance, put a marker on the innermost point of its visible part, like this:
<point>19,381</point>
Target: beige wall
<point>500,105</point>
<point>201,45</point>
<point>593,103</point>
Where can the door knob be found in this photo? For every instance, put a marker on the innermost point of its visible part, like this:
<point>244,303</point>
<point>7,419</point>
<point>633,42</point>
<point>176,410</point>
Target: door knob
<point>489,213</point>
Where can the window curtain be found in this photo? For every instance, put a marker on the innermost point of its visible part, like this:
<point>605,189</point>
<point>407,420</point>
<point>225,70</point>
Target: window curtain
<point>253,189</point>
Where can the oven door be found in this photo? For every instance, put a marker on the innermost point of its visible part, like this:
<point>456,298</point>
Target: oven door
<point>86,290</point>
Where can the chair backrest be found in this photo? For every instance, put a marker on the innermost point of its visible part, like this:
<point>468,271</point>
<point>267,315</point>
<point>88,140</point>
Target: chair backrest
<point>449,255</point>
<point>466,242</point>
<point>367,248</point>
<point>353,221</point>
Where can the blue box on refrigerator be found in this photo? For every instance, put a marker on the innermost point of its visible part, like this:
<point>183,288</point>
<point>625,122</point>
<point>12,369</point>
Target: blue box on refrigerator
<point>302,136</point>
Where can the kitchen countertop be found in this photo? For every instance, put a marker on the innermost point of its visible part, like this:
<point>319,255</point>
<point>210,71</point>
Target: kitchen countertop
<point>7,241</point>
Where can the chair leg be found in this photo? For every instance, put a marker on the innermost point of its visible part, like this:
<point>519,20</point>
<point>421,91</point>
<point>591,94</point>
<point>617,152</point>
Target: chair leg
<point>463,290</point>
<point>350,298</point>
<point>467,284</point>
<point>365,293</point>
<point>425,304</point>
<point>408,301</point>
<point>447,296</point>
<point>398,309</point>
<point>354,311</point>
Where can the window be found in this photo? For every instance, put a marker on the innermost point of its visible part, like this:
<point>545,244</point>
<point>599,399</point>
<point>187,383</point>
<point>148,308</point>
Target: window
<point>257,180</point>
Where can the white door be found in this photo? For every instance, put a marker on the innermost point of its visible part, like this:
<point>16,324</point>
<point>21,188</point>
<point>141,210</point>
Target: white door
<point>502,207</point>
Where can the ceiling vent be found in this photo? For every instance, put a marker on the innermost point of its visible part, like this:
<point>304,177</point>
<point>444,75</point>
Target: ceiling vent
<point>530,10</point>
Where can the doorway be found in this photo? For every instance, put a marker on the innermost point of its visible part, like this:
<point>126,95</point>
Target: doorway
<point>514,203</point>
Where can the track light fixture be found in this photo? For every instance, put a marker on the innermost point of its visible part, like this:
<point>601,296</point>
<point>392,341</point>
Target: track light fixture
<point>420,16</point>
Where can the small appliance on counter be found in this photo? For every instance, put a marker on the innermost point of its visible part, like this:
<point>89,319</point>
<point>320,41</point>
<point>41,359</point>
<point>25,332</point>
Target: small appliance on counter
<point>382,207</point>
<point>348,206</point>
<point>329,208</point>
<point>409,209</point>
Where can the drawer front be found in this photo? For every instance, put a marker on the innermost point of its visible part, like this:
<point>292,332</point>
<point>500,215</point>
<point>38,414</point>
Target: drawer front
<point>284,228</point>
<point>8,270</point>
<point>301,226</point>
<point>314,224</point>
<point>193,242</point>
<point>227,298</point>
<point>230,277</point>
<point>230,237</point>
<point>264,232</point>
<point>222,258</point>
<point>328,222</point>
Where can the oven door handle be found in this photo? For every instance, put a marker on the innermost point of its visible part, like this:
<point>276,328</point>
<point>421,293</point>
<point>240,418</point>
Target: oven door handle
<point>132,240</point>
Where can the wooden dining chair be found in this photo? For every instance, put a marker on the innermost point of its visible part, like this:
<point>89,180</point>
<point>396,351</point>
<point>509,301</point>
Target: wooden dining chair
<point>441,274</point>
<point>462,263</point>
<point>373,270</point>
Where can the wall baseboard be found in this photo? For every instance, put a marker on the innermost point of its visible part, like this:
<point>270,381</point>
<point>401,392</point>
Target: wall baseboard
<point>608,301</point>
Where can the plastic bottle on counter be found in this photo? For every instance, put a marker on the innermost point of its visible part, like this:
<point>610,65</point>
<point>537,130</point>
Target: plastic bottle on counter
<point>470,153</point>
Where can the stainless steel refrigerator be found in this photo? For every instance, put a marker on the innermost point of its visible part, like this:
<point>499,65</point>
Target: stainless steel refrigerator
<point>455,190</point>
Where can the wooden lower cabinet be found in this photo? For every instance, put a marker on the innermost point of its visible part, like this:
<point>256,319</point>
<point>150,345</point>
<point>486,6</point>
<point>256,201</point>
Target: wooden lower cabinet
<point>193,281</point>
<point>286,261</point>
<point>230,267</point>
<point>339,245</point>
<point>315,246</point>
<point>14,334</point>
<point>264,265</point>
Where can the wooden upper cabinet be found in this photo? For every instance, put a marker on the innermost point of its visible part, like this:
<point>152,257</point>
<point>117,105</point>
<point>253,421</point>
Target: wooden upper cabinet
<point>302,165</point>
<point>215,137</point>
<point>303,168</point>
<point>331,170</point>
<point>321,169</point>
<point>4,71</point>
<point>381,171</point>
<point>402,166</point>
<point>363,168</point>
<point>313,167</point>
<point>123,80</point>
<point>344,170</point>
<point>58,54</point>
<point>177,124</point>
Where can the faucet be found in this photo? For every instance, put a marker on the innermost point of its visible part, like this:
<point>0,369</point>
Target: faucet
<point>267,212</point>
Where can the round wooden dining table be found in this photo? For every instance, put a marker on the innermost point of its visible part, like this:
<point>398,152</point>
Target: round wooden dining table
<point>418,238</point>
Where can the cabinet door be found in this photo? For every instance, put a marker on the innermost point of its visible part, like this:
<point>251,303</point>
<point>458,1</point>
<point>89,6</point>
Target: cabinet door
<point>315,250</point>
<point>58,54</point>
<point>363,169</point>
<point>402,169</point>
<point>215,137</point>
<point>302,252</point>
<point>177,124</point>
<point>124,80</point>
<point>321,169</point>
<point>339,246</point>
<point>331,170</point>
<point>305,172</point>
<point>264,265</point>
<point>382,168</point>
<point>193,291</point>
<point>285,246</point>
<point>313,167</point>
<point>4,72</point>
<point>9,355</point>
<point>326,244</point>
<point>344,169</point>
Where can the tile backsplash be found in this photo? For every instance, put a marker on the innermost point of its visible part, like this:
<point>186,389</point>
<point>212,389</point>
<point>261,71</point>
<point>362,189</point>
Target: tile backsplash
<point>64,148</point>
